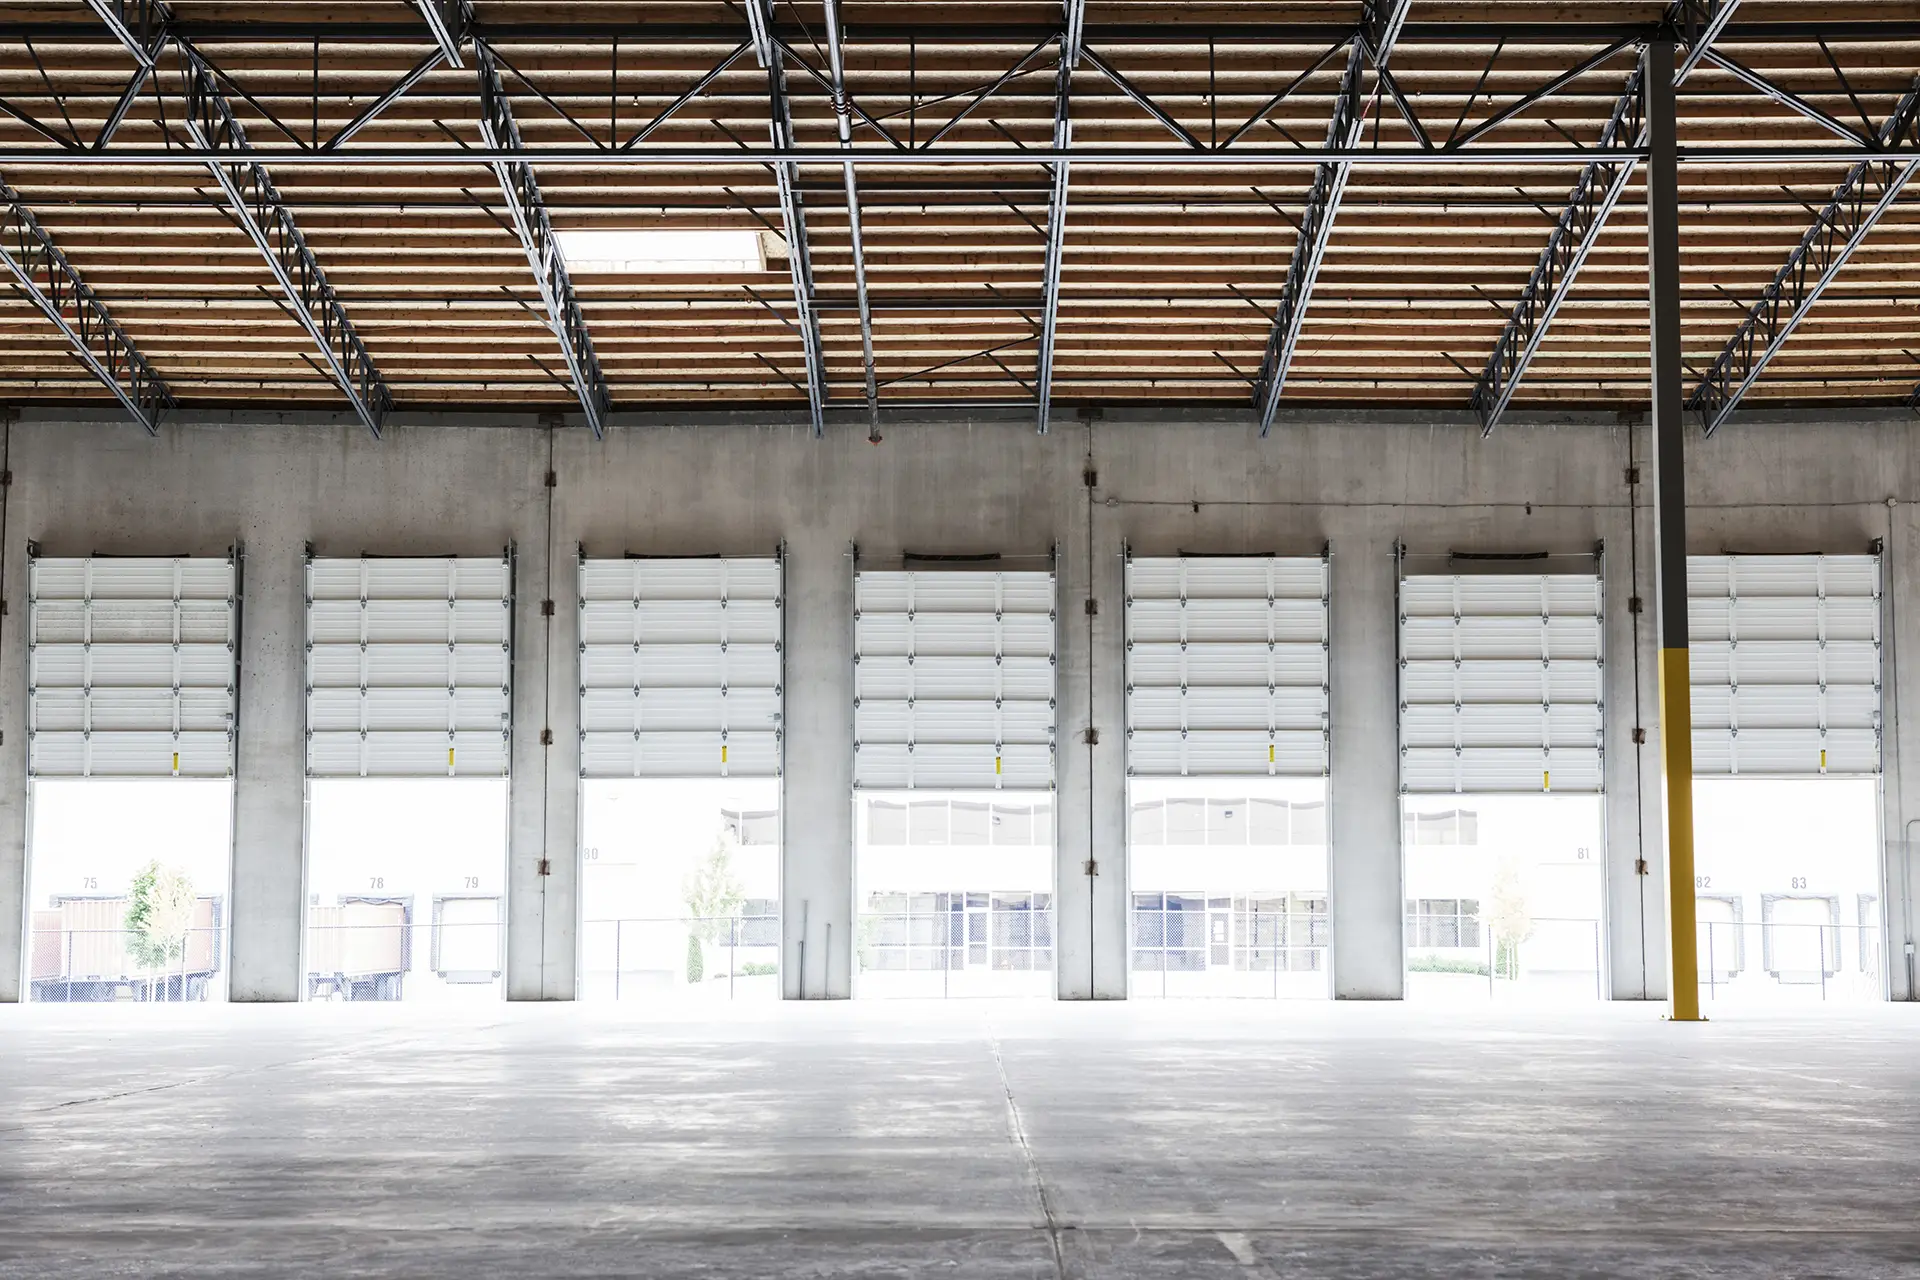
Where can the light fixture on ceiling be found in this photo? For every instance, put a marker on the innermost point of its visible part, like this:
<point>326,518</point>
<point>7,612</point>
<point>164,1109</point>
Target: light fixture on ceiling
<point>662,252</point>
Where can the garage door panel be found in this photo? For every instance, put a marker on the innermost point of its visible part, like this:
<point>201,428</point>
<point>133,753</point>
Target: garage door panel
<point>1784,661</point>
<point>1574,680</point>
<point>132,710</point>
<point>1249,665</point>
<point>1436,770</point>
<point>1501,683</point>
<point>679,753</point>
<point>953,669</point>
<point>431,621</point>
<point>1568,725</point>
<point>408,669</point>
<point>953,677</point>
<point>1232,651</point>
<point>133,621</point>
<point>1234,621</point>
<point>1210,708</point>
<point>140,754</point>
<point>1228,577</point>
<point>131,666</point>
<point>969,720</point>
<point>1225,752</point>
<point>406,754</point>
<point>1774,752</point>
<point>680,667</point>
<point>886,766</point>
<point>670,622</point>
<point>1505,639</point>
<point>665,578</point>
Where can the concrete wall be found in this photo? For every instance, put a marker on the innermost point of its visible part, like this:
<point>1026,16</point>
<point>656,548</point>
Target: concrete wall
<point>1359,484</point>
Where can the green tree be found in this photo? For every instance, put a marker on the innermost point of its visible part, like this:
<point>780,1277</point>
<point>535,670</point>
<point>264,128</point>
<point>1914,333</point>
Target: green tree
<point>1511,919</point>
<point>159,913</point>
<point>711,894</point>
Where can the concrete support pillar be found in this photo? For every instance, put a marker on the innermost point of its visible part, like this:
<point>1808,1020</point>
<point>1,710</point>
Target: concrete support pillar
<point>270,792</point>
<point>816,878</point>
<point>13,753</point>
<point>1635,911</point>
<point>1090,906</point>
<point>543,868</point>
<point>1365,871</point>
<point>1900,820</point>
<point>1111,897</point>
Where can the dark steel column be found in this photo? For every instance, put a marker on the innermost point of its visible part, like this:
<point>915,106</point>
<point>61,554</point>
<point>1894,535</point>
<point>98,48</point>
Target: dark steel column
<point>1670,528</point>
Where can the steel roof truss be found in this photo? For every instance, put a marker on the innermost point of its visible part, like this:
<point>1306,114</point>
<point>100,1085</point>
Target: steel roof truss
<point>1594,196</point>
<point>1864,195</point>
<point>1372,45</point>
<point>793,215</point>
<point>530,223</point>
<point>268,222</point>
<point>53,286</point>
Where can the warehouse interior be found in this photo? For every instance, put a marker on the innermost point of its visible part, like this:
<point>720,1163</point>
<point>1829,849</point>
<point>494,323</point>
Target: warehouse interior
<point>839,637</point>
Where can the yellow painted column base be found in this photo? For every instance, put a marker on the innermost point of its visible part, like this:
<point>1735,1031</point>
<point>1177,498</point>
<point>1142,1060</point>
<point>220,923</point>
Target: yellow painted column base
<point>1676,770</point>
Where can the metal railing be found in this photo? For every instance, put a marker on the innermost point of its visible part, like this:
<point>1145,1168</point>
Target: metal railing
<point>630,957</point>
<point>1553,952</point>
<point>1228,952</point>
<point>1777,960</point>
<point>961,951</point>
<point>77,966</point>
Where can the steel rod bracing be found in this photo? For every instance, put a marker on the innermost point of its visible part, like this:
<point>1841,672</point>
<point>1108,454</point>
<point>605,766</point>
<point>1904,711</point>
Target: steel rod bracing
<point>529,213</point>
<point>1863,197</point>
<point>1372,46</point>
<point>1585,216</point>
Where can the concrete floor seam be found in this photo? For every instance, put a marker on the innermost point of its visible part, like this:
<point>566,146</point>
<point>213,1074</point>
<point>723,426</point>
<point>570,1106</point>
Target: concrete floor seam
<point>1032,1165</point>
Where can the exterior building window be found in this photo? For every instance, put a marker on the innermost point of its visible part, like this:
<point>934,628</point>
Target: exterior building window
<point>1443,922</point>
<point>929,932</point>
<point>944,823</point>
<point>1193,821</point>
<point>1453,826</point>
<point>752,826</point>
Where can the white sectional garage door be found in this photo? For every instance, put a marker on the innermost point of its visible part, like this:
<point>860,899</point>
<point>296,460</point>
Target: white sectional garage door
<point>131,667</point>
<point>1785,656</point>
<point>680,671</point>
<point>409,667</point>
<point>1500,683</point>
<point>953,679</point>
<point>1227,666</point>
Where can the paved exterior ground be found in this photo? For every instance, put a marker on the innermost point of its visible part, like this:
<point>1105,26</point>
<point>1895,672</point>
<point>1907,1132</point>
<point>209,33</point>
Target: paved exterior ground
<point>1200,1140</point>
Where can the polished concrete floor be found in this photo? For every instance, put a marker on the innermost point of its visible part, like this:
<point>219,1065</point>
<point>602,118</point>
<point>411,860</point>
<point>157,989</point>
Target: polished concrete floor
<point>1203,1140</point>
